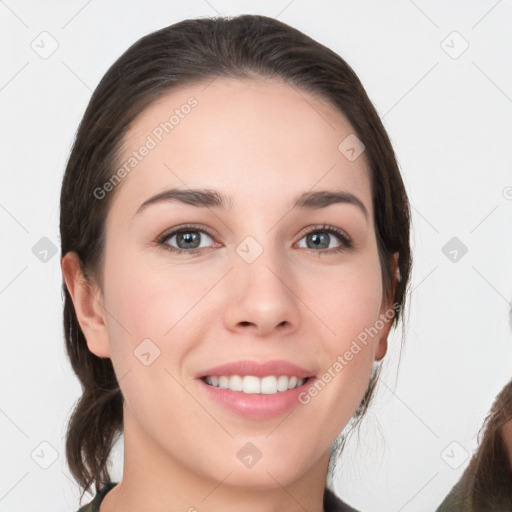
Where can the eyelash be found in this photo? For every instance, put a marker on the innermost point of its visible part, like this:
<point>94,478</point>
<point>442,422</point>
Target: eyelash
<point>346,242</point>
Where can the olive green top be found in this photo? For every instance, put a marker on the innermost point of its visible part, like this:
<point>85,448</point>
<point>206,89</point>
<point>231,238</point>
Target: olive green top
<point>331,502</point>
<point>454,502</point>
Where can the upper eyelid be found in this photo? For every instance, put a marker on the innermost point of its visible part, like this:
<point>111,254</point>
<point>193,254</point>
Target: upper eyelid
<point>323,227</point>
<point>174,231</point>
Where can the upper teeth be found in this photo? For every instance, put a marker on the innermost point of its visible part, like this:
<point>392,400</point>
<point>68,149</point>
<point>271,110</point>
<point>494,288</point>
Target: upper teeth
<point>251,384</point>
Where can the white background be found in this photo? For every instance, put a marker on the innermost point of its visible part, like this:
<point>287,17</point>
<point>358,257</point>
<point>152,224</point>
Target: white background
<point>450,120</point>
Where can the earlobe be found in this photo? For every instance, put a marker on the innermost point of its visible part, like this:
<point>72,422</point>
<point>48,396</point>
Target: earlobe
<point>88,303</point>
<point>395,271</point>
<point>382,346</point>
<point>382,349</point>
<point>382,343</point>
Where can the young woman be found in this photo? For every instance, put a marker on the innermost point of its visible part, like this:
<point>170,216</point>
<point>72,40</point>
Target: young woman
<point>235,250</point>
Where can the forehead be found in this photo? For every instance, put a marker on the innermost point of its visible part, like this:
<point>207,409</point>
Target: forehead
<point>252,139</point>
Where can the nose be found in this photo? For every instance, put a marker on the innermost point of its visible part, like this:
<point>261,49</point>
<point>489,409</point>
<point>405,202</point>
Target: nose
<point>263,297</point>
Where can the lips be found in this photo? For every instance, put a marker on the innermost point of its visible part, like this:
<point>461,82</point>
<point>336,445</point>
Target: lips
<point>257,369</point>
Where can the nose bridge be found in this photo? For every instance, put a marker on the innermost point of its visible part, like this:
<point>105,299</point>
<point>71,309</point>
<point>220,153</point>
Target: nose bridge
<point>259,264</point>
<point>262,286</point>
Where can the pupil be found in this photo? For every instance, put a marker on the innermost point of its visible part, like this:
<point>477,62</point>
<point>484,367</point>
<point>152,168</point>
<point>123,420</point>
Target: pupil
<point>190,239</point>
<point>318,238</point>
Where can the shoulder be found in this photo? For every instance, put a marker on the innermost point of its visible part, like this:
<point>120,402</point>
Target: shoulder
<point>454,502</point>
<point>333,504</point>
<point>94,505</point>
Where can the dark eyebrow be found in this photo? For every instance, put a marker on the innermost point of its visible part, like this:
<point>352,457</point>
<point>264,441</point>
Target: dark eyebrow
<point>200,197</point>
<point>208,198</point>
<point>324,198</point>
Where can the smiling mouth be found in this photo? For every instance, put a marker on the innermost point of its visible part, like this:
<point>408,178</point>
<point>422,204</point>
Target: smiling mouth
<point>250,384</point>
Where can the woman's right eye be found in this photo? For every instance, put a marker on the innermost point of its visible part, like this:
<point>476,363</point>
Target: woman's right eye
<point>188,240</point>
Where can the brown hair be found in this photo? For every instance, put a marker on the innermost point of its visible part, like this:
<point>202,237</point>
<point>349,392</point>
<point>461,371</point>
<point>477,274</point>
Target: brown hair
<point>189,52</point>
<point>486,484</point>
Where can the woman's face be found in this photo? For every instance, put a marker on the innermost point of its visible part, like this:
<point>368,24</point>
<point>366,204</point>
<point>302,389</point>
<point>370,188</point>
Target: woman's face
<point>257,279</point>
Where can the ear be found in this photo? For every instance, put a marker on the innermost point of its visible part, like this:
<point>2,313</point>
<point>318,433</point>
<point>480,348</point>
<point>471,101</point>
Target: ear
<point>382,346</point>
<point>88,303</point>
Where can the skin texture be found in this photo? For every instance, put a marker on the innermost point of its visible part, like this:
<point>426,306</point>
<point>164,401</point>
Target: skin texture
<point>261,143</point>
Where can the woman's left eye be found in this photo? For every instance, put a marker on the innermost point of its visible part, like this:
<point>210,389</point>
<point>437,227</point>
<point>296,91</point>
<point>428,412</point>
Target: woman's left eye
<point>188,239</point>
<point>321,236</point>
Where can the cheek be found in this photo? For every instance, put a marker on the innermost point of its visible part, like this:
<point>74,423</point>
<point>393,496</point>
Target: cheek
<point>136,311</point>
<point>350,301</point>
<point>157,303</point>
<point>145,313</point>
<point>147,301</point>
<point>350,308</point>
